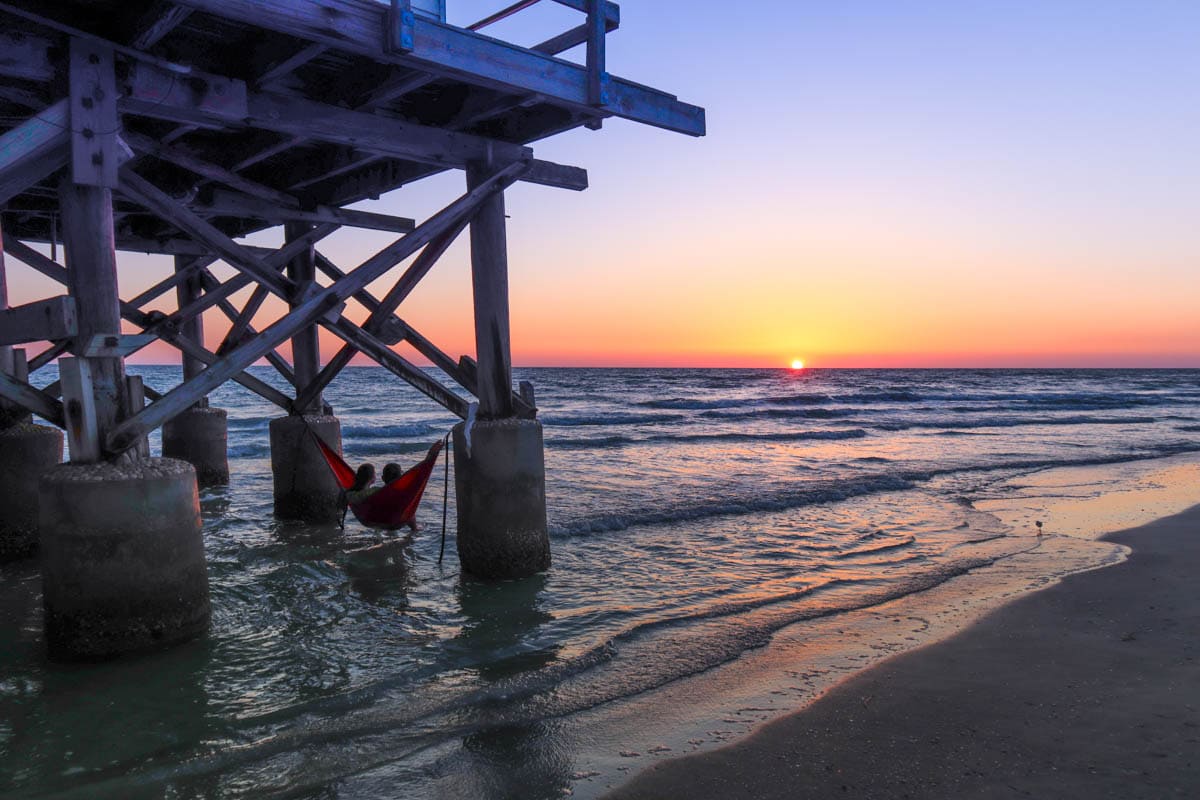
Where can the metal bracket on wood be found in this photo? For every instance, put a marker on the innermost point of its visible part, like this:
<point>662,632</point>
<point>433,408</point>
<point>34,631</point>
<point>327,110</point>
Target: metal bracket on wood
<point>400,27</point>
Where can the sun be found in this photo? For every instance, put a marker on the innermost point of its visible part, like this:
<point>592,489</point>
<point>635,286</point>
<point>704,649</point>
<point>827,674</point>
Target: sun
<point>797,363</point>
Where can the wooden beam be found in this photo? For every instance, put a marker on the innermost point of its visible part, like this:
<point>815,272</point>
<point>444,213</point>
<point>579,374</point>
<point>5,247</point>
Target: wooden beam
<point>315,307</point>
<point>166,328</point>
<point>233,204</point>
<point>188,289</point>
<point>290,64</point>
<point>305,396</point>
<point>155,26</point>
<point>41,321</point>
<point>597,76</point>
<point>191,265</point>
<point>49,354</point>
<point>202,99</point>
<point>439,48</point>
<point>31,399</point>
<point>25,57</point>
<point>277,361</point>
<point>489,284</point>
<point>306,349</point>
<point>35,149</point>
<point>149,95</point>
<point>150,197</point>
<point>397,365</point>
<point>92,279</point>
<point>206,169</point>
<point>237,331</point>
<point>286,143</point>
<point>95,152</point>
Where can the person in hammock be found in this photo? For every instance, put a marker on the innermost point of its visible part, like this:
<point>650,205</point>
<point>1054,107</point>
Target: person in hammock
<point>364,476</point>
<point>391,471</point>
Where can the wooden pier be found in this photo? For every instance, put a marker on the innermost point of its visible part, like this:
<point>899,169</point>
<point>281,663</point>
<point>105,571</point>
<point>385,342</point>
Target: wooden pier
<point>181,127</point>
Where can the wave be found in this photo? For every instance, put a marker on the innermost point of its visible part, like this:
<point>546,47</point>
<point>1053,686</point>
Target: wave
<point>782,413</point>
<point>584,420</point>
<point>388,431</point>
<point>876,548</point>
<point>778,500</point>
<point>1012,422</point>
<point>617,440</point>
<point>675,509</point>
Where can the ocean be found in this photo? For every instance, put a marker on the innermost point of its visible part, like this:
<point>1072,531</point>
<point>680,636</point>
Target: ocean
<point>697,516</point>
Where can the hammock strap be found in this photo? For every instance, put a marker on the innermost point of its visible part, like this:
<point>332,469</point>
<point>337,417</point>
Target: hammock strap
<point>445,497</point>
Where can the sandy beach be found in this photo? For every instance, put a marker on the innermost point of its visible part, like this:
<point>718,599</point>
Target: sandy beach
<point>1088,689</point>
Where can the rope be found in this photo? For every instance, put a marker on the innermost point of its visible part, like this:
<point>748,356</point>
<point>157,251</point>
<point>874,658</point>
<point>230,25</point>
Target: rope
<point>445,497</point>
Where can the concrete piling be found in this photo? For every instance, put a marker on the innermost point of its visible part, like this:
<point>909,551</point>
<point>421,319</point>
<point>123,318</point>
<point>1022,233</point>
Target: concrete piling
<point>199,436</point>
<point>122,557</point>
<point>26,451</point>
<point>305,489</point>
<point>500,485</point>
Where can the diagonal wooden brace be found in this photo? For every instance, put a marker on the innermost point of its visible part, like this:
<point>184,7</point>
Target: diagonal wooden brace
<point>127,433</point>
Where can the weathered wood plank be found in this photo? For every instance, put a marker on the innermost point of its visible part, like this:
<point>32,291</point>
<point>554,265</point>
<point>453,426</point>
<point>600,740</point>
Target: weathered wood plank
<point>35,149</point>
<point>205,100</point>
<point>150,197</point>
<point>29,398</point>
<point>79,409</point>
<point>188,288</point>
<point>290,64</point>
<point>92,280</point>
<point>225,203</point>
<point>25,57</point>
<point>359,27</point>
<point>306,351</point>
<point>206,169</point>
<point>40,321</point>
<point>157,24</point>
<point>94,121</point>
<point>399,366</point>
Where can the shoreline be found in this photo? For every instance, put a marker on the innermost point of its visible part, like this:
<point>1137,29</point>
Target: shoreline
<point>1075,690</point>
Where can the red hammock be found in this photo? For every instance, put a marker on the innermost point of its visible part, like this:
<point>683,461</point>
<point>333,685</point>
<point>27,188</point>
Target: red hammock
<point>394,505</point>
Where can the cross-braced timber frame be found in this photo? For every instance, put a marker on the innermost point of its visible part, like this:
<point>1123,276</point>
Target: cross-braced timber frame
<point>180,127</point>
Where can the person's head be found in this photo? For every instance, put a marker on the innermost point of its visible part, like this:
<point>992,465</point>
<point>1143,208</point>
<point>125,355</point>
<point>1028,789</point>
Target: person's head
<point>363,477</point>
<point>391,471</point>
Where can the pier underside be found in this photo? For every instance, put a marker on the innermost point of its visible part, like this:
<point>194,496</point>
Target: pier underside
<point>180,128</point>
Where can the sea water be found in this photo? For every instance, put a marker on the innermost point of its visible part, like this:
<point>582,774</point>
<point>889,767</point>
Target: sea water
<point>695,516</point>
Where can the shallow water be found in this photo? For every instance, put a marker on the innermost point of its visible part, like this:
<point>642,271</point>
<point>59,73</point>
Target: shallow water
<point>695,515</point>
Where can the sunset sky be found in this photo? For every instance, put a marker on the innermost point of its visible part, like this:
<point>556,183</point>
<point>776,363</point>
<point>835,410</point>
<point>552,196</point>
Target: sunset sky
<point>882,184</point>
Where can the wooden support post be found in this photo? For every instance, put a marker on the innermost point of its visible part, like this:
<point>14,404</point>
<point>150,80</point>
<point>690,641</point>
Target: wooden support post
<point>135,396</point>
<point>188,290</point>
<point>306,354</point>
<point>92,280</point>
<point>94,120</point>
<point>597,76</point>
<point>6,351</point>
<point>489,284</point>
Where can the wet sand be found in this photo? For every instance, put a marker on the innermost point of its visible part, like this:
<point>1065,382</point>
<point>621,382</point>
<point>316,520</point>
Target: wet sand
<point>1088,689</point>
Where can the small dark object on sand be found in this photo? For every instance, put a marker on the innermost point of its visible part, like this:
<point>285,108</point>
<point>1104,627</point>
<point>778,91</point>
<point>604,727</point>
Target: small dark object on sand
<point>1039,526</point>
